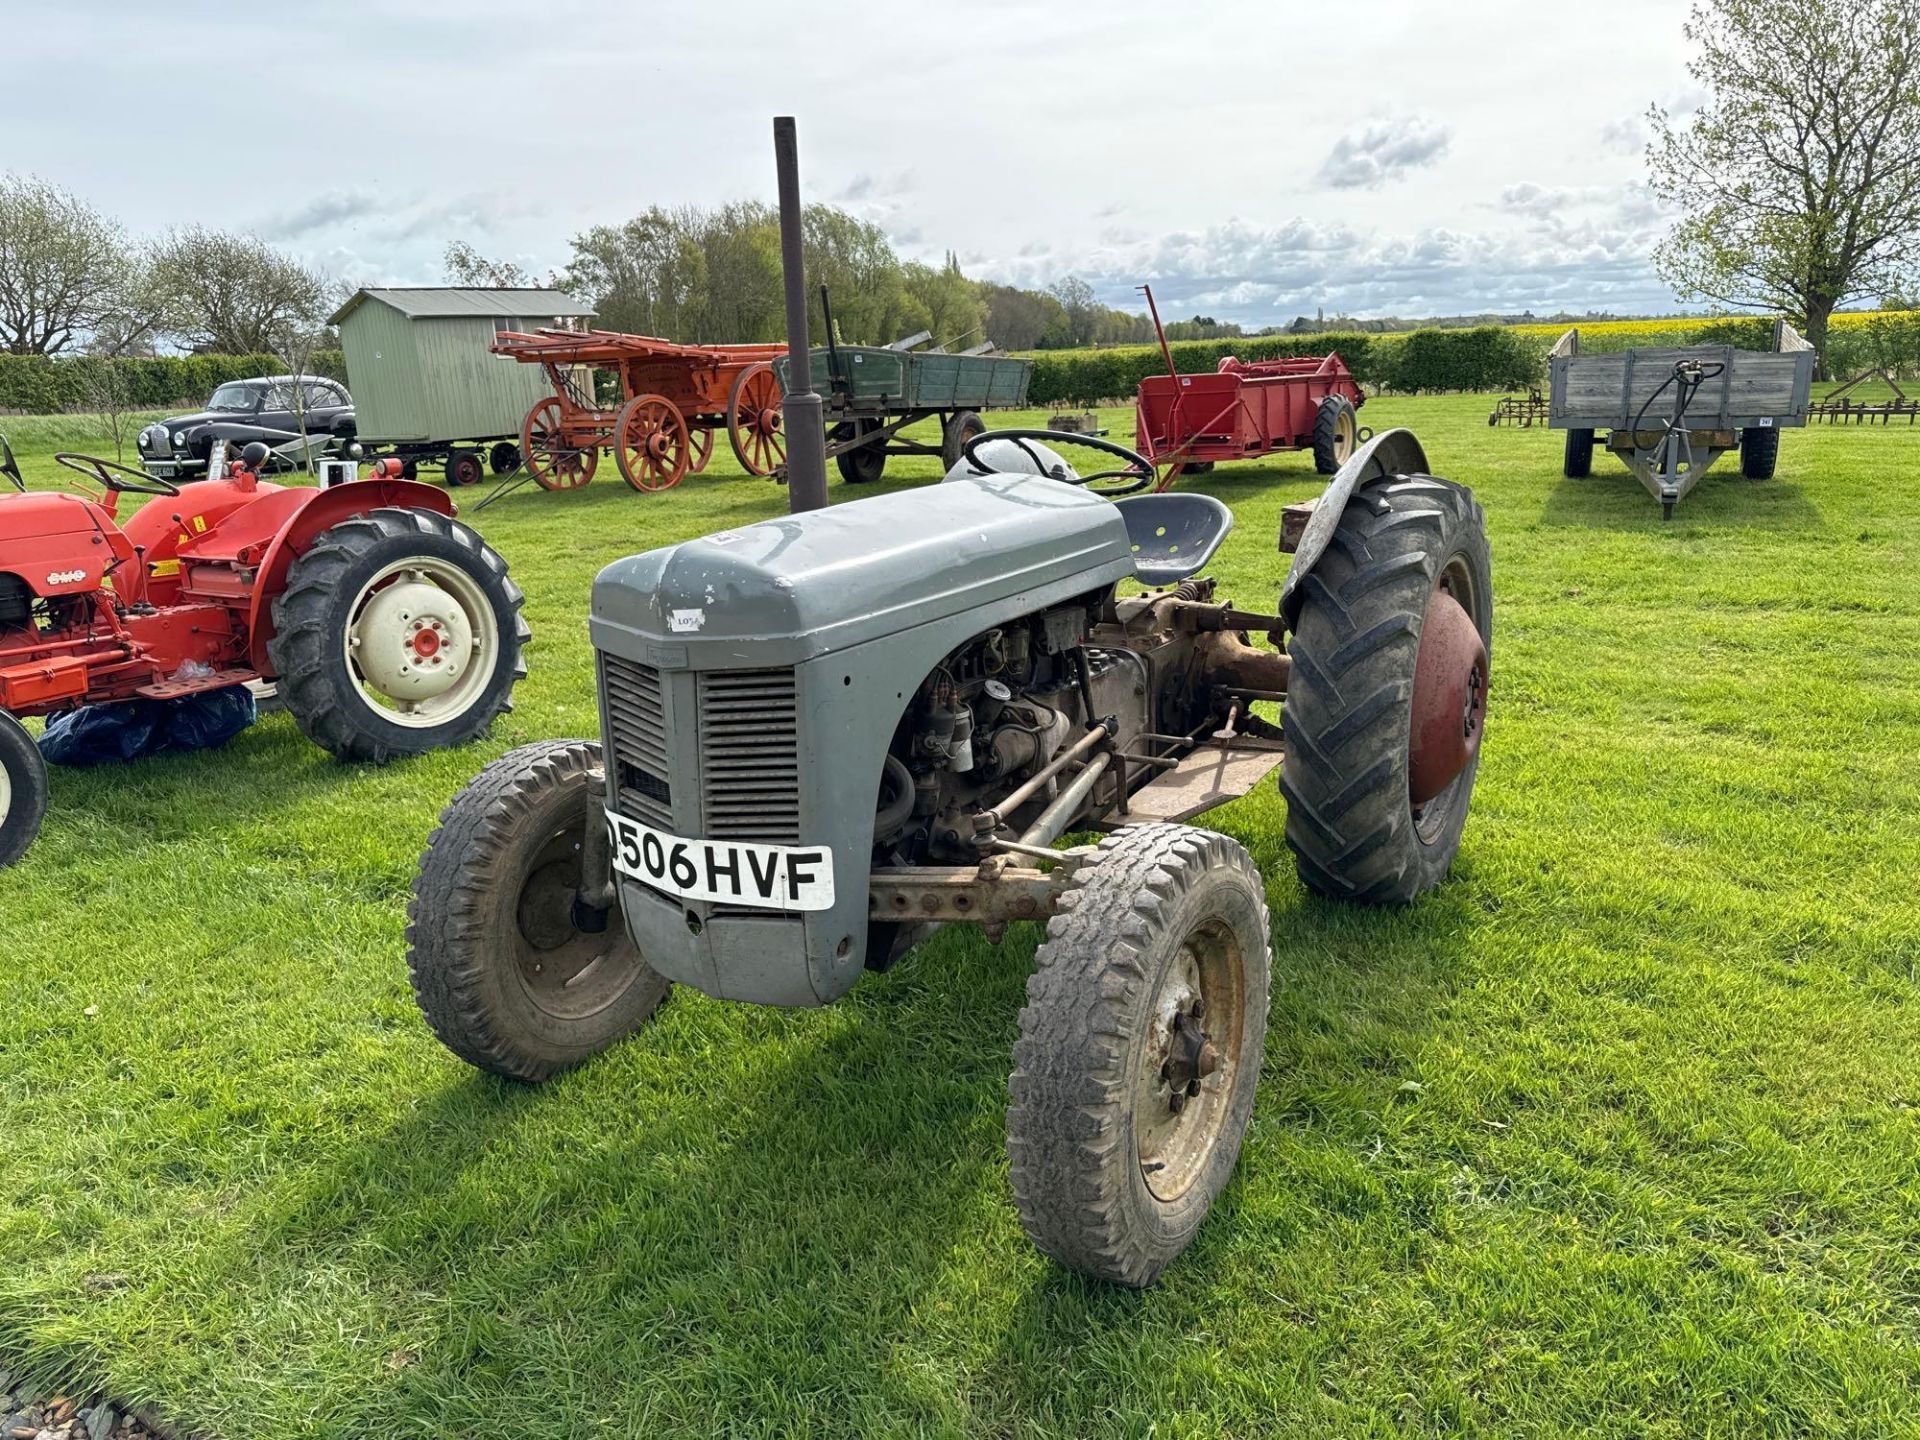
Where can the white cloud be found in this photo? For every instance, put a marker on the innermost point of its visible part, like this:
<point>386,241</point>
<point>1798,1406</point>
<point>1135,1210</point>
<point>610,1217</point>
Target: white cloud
<point>1367,158</point>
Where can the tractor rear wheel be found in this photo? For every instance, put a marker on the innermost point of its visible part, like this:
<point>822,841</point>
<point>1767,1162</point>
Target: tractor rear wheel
<point>501,967</point>
<point>398,632</point>
<point>1577,462</point>
<point>1139,1050</point>
<point>1387,700</point>
<point>23,790</point>
<point>1759,452</point>
<point>1336,434</point>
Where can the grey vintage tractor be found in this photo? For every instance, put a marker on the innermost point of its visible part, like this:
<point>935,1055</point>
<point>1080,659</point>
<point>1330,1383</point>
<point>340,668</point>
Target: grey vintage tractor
<point>823,734</point>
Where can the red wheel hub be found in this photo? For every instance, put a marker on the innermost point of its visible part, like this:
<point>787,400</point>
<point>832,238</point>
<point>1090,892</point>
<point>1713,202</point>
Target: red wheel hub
<point>426,643</point>
<point>1449,698</point>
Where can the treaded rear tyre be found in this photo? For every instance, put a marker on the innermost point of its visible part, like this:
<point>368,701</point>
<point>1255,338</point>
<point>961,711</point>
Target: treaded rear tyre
<point>1088,1092</point>
<point>1577,460</point>
<point>505,978</point>
<point>313,615</point>
<point>1348,714</point>
<point>23,790</point>
<point>1336,432</point>
<point>1759,452</point>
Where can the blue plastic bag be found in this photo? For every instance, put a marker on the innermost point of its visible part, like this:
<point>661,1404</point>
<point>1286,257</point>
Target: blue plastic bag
<point>128,729</point>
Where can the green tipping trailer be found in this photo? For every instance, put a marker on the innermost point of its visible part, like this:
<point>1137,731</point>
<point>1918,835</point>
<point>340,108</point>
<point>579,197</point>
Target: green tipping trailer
<point>872,392</point>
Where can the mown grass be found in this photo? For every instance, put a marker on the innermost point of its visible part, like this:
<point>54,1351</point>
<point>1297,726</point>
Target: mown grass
<point>1614,1134</point>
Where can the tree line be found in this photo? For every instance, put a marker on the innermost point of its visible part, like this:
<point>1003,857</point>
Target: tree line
<point>699,274</point>
<point>73,281</point>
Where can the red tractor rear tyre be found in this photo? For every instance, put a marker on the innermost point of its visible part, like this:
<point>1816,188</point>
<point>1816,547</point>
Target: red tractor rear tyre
<point>1387,700</point>
<point>23,790</point>
<point>398,632</point>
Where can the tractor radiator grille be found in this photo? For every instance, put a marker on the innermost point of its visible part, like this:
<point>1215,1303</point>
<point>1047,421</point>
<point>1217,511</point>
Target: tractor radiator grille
<point>637,731</point>
<point>750,755</point>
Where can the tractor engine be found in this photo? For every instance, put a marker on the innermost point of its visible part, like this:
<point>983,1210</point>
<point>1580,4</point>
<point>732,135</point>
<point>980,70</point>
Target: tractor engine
<point>1000,707</point>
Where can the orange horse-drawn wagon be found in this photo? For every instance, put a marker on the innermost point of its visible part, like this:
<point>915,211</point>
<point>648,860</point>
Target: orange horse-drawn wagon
<point>672,398</point>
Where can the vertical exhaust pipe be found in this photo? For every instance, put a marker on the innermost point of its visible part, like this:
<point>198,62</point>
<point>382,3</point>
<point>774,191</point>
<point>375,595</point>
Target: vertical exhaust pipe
<point>801,412</point>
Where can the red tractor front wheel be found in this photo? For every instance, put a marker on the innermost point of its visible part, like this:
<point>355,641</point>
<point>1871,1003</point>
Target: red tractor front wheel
<point>23,789</point>
<point>1388,697</point>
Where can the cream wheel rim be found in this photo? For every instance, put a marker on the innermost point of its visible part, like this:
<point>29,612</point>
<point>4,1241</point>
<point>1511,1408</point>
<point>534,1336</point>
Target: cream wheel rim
<point>6,794</point>
<point>420,642</point>
<point>1345,434</point>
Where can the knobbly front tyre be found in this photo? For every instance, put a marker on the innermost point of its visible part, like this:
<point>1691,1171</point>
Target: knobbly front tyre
<point>502,967</point>
<point>398,632</point>
<point>23,790</point>
<point>1386,703</point>
<point>1139,1050</point>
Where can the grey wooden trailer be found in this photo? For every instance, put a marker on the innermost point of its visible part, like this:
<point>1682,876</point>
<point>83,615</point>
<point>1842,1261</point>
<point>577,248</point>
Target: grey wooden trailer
<point>1670,412</point>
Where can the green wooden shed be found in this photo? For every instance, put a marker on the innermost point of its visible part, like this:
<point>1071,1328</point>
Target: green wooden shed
<point>421,368</point>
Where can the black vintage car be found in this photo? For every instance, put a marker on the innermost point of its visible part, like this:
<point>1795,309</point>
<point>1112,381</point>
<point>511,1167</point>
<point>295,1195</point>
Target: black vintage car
<point>290,414</point>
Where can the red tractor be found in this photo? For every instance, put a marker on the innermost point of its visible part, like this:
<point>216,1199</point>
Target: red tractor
<point>388,627</point>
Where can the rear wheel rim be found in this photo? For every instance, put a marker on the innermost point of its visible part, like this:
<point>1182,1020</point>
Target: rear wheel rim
<point>1183,1095</point>
<point>424,655</point>
<point>1346,432</point>
<point>6,794</point>
<point>1433,820</point>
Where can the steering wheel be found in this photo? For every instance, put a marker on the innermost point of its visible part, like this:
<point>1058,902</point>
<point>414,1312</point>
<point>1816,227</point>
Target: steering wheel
<point>1137,474</point>
<point>108,473</point>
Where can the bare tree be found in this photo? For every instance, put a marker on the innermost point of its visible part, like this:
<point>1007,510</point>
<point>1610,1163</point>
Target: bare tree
<point>108,387</point>
<point>232,293</point>
<point>1801,175</point>
<point>64,267</point>
<point>467,266</point>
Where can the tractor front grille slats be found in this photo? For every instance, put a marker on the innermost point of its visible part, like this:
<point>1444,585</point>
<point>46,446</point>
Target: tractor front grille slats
<point>637,730</point>
<point>750,755</point>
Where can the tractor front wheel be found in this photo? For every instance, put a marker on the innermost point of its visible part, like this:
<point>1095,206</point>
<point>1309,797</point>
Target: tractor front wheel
<point>398,632</point>
<point>23,790</point>
<point>501,966</point>
<point>1388,696</point>
<point>1139,1050</point>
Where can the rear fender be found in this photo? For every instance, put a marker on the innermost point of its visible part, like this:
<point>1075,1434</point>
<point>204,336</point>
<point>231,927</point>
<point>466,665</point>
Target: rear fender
<point>1391,452</point>
<point>323,510</point>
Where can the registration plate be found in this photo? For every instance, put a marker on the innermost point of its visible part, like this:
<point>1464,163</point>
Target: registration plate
<point>728,872</point>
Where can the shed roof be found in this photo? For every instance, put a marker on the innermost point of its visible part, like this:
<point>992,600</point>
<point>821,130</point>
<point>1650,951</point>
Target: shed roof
<point>426,301</point>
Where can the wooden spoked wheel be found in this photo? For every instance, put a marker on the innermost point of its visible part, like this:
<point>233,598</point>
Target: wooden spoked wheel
<point>651,443</point>
<point>702,449</point>
<point>554,463</point>
<point>754,420</point>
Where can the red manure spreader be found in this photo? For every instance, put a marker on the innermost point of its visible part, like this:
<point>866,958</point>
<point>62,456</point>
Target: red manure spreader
<point>389,627</point>
<point>1187,423</point>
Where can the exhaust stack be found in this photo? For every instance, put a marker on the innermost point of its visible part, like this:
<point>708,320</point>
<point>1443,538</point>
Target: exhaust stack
<point>806,435</point>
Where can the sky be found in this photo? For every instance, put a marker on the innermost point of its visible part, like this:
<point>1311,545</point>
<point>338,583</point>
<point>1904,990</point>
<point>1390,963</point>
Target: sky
<point>1253,161</point>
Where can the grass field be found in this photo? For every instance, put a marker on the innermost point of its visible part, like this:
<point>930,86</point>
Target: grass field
<point>1618,1133</point>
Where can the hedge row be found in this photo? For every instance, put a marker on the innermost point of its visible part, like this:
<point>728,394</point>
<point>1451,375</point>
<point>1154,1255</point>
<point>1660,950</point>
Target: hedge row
<point>37,385</point>
<point>1489,358</point>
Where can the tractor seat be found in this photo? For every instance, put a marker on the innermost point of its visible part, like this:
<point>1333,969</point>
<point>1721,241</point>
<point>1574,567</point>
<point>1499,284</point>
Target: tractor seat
<point>1174,534</point>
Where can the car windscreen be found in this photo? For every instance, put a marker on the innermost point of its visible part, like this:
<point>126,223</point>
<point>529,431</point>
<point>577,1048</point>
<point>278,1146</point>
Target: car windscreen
<point>235,397</point>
